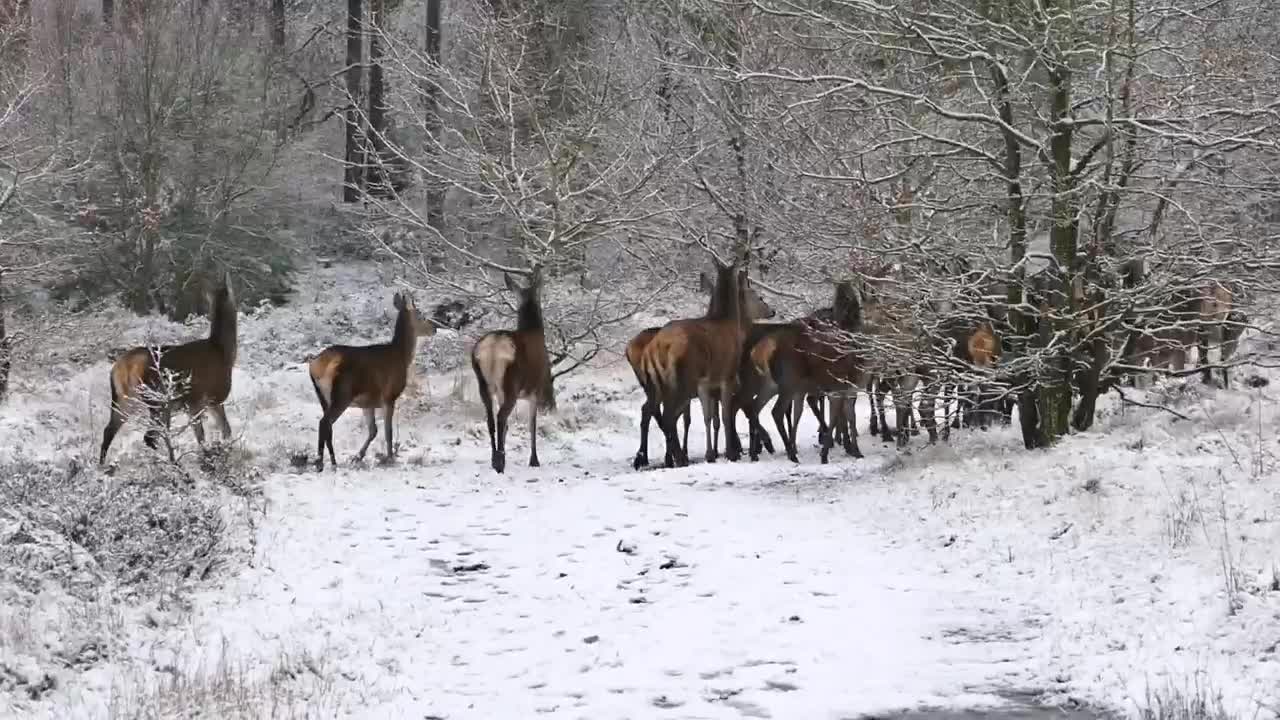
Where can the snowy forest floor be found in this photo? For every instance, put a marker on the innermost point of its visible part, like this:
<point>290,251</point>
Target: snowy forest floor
<point>1135,562</point>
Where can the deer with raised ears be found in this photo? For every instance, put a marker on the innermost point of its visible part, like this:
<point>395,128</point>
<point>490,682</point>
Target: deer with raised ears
<point>700,356</point>
<point>370,377</point>
<point>756,307</point>
<point>512,365</point>
<point>202,369</point>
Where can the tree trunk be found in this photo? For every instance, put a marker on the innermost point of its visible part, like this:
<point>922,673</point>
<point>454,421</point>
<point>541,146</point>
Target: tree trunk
<point>6,346</point>
<point>1021,327</point>
<point>435,191</point>
<point>1055,396</point>
<point>277,25</point>
<point>108,11</point>
<point>376,175</point>
<point>352,175</point>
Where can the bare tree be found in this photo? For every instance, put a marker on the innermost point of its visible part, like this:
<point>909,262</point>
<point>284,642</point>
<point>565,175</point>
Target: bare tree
<point>431,109</point>
<point>1082,127</point>
<point>578,195</point>
<point>352,173</point>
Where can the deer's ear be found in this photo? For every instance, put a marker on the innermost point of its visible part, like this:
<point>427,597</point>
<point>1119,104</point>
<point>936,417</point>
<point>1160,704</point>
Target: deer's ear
<point>704,283</point>
<point>511,284</point>
<point>398,301</point>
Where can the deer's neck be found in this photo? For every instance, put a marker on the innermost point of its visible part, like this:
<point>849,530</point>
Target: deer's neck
<point>405,338</point>
<point>222,329</point>
<point>529,317</point>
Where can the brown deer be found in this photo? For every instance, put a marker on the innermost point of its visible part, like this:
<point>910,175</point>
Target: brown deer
<point>368,377</point>
<point>700,355</point>
<point>1221,324</point>
<point>813,359</point>
<point>756,307</point>
<point>1196,317</point>
<point>756,388</point>
<point>202,369</point>
<point>511,365</point>
<point>973,346</point>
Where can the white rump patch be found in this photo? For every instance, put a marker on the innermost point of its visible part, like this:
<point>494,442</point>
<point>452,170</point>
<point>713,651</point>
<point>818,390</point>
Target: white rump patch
<point>495,354</point>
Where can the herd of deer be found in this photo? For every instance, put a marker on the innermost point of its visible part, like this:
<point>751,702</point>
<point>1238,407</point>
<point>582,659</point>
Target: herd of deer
<point>727,359</point>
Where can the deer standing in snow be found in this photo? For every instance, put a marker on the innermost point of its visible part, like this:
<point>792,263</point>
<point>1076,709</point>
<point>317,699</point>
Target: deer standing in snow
<point>512,365</point>
<point>368,377</point>
<point>202,369</point>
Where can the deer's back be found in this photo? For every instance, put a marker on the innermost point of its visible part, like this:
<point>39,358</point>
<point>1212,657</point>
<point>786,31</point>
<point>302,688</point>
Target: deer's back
<point>200,365</point>
<point>377,374</point>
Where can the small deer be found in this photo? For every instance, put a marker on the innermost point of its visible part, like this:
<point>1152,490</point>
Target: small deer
<point>513,365</point>
<point>368,377</point>
<point>700,355</point>
<point>201,367</point>
<point>756,307</point>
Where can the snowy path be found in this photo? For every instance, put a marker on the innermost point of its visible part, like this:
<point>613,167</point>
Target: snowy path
<point>598,597</point>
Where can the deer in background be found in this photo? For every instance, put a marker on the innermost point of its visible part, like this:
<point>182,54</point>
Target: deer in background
<point>701,355</point>
<point>202,368</point>
<point>368,377</point>
<point>755,308</point>
<point>511,365</point>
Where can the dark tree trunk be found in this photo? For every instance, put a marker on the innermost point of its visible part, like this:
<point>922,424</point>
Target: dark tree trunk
<point>277,25</point>
<point>352,175</point>
<point>108,11</point>
<point>1055,395</point>
<point>1022,327</point>
<point>435,191</point>
<point>376,176</point>
<point>6,346</point>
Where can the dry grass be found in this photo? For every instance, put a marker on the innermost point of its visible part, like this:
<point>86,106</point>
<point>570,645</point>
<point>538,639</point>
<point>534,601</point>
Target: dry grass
<point>1198,701</point>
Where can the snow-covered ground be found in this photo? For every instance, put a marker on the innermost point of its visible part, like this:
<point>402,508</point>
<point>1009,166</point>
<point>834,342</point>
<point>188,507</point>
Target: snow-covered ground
<point>1136,557</point>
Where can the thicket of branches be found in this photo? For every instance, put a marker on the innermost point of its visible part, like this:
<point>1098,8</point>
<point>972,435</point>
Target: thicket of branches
<point>1081,175</point>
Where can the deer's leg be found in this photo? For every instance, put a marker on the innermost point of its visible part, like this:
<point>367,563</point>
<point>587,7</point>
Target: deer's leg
<point>219,412</point>
<point>732,443</point>
<point>882,391</point>
<point>709,408</point>
<point>816,401</point>
<point>533,432</point>
<point>928,411</point>
<point>871,398</point>
<point>902,392</point>
<point>1202,344</point>
<point>781,407</point>
<point>508,402</point>
<point>762,439</point>
<point>109,433</point>
<point>195,411</point>
<point>672,409</point>
<point>646,415</point>
<point>340,397</point>
<point>371,430</point>
<point>687,418</point>
<point>851,418</point>
<point>486,399</point>
<point>388,420</point>
<point>717,425</point>
<point>833,428</point>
